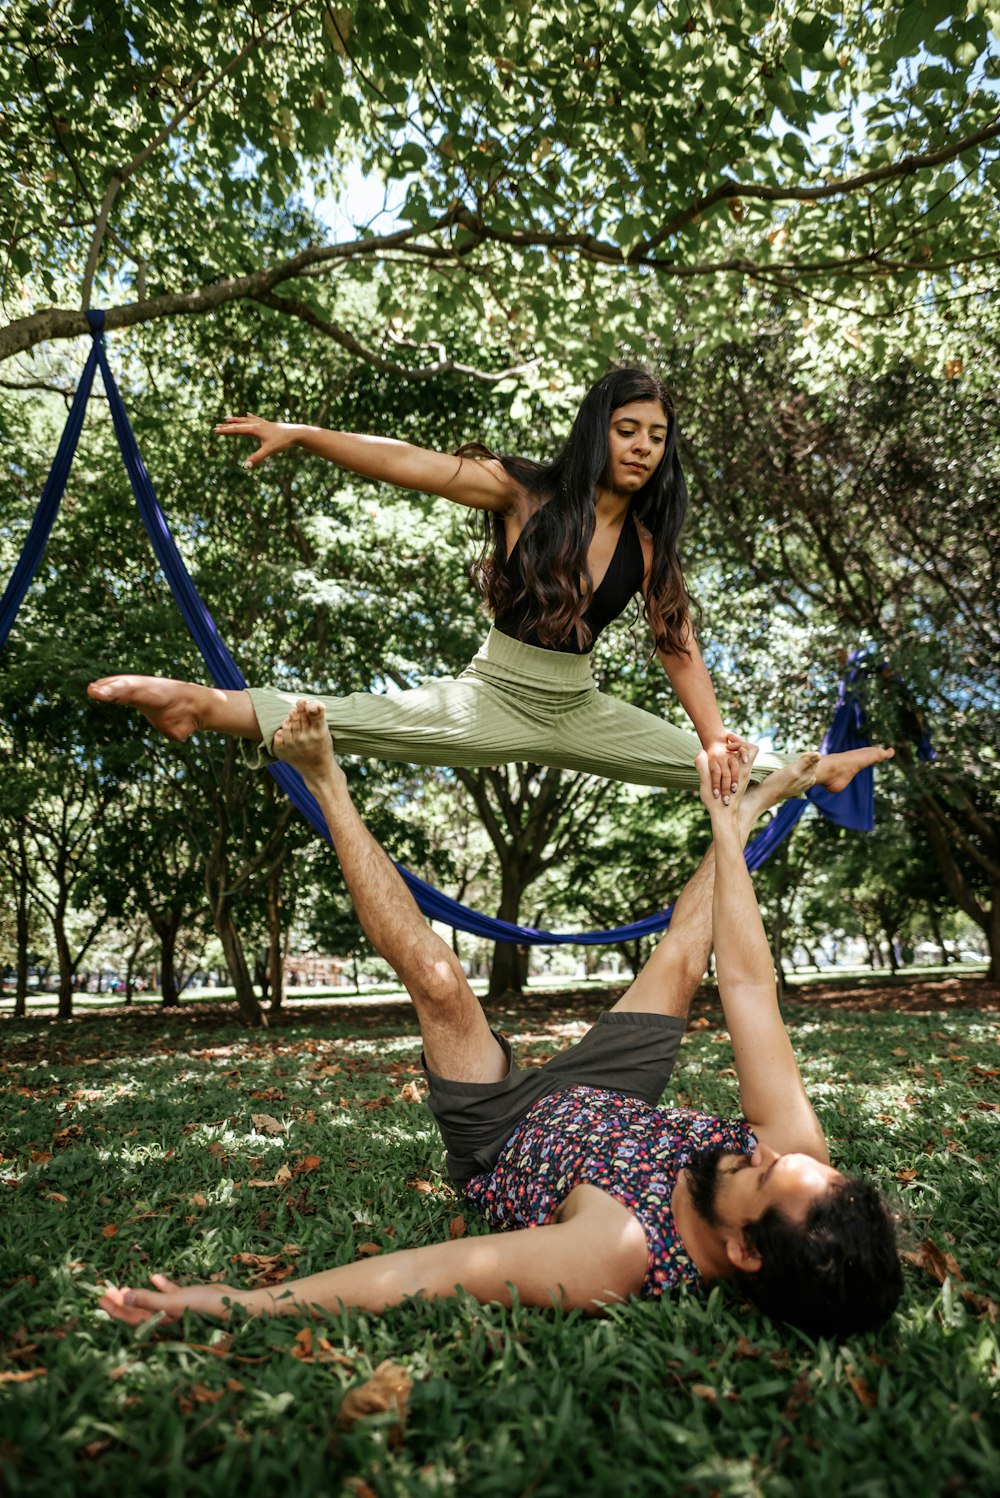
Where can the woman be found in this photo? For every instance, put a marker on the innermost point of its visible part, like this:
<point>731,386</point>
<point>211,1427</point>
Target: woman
<point>568,544</point>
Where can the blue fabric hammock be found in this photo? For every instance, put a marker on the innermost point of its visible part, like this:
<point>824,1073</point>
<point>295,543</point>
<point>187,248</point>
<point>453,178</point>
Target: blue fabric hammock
<point>853,807</point>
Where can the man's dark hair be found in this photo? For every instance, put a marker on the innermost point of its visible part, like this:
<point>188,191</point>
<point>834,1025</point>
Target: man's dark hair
<point>836,1274</point>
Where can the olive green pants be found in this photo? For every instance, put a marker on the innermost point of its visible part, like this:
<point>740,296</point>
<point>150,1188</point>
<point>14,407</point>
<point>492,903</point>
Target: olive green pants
<point>512,702</point>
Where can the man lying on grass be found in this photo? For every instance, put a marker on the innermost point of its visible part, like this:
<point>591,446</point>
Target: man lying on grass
<point>609,1194</point>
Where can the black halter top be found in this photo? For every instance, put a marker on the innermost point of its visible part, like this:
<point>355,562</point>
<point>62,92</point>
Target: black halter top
<point>609,599</point>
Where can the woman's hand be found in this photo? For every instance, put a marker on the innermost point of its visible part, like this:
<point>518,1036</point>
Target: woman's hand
<point>168,1301</point>
<point>726,753</point>
<point>273,436</point>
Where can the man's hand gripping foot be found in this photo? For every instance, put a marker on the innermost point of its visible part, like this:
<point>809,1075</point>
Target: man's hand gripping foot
<point>303,741</point>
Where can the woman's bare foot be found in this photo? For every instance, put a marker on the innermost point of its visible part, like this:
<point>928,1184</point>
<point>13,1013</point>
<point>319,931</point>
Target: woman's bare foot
<point>304,741</point>
<point>180,708</point>
<point>835,771</point>
<point>780,785</point>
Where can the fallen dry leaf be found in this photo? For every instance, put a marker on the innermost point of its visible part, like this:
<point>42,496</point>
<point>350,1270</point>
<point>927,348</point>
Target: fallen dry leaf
<point>358,1488</point>
<point>308,1162</point>
<point>282,1176</point>
<point>94,1448</point>
<point>456,1227</point>
<point>862,1389</point>
<point>936,1261</point>
<point>268,1268</point>
<point>704,1391</point>
<point>23,1377</point>
<point>109,1231</point>
<point>982,1305</point>
<point>367,1250</point>
<point>310,1349</point>
<point>265,1124</point>
<point>387,1389</point>
<point>906,1175</point>
<point>410,1093</point>
<point>196,1395</point>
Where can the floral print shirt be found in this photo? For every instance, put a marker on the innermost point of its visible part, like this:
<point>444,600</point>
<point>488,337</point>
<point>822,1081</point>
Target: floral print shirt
<point>631,1150</point>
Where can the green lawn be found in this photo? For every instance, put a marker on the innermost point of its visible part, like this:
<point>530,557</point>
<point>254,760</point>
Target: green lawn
<point>130,1145</point>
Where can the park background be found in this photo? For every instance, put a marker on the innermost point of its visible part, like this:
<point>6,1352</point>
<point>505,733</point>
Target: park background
<point>441,222</point>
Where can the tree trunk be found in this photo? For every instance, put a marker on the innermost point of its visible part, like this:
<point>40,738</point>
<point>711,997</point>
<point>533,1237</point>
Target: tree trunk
<point>275,952</point>
<point>166,923</point>
<point>961,835</point>
<point>890,941</point>
<point>509,965</point>
<point>23,923</point>
<point>236,963</point>
<point>934,918</point>
<point>505,970</point>
<point>66,967</point>
<point>993,935</point>
<point>220,905</point>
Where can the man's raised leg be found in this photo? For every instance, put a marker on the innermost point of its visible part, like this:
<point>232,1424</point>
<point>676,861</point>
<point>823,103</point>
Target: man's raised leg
<point>458,1043</point>
<point>670,979</point>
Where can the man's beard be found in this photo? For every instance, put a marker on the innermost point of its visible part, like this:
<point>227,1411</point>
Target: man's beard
<point>703,1182</point>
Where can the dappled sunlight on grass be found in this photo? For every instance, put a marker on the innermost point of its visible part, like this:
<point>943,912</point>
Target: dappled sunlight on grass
<point>128,1151</point>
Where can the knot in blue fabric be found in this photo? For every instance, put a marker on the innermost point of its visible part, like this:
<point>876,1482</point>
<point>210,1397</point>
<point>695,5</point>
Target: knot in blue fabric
<point>96,321</point>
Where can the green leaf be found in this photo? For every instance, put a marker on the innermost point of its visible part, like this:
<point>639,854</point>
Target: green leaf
<point>810,30</point>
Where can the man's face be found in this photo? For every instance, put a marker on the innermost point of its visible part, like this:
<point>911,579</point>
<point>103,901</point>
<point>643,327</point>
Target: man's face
<point>730,1191</point>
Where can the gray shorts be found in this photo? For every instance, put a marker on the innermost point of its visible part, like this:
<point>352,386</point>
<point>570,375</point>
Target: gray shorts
<point>625,1051</point>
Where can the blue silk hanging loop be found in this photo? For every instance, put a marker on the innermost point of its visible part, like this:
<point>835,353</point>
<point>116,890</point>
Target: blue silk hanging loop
<point>853,807</point>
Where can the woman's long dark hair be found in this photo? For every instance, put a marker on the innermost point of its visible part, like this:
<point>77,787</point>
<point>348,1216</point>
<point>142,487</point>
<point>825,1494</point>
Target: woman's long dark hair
<point>554,543</point>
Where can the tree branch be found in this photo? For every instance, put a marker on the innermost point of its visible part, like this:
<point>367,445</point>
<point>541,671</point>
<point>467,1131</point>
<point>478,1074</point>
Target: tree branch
<point>761,191</point>
<point>121,175</point>
<point>347,341</point>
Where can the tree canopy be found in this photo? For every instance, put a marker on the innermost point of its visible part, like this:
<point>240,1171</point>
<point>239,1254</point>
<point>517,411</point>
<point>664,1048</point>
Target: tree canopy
<point>555,175</point>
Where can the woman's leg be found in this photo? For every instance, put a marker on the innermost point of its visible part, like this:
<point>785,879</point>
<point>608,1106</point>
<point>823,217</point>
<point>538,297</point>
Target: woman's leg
<point>452,721</point>
<point>180,708</point>
<point>606,736</point>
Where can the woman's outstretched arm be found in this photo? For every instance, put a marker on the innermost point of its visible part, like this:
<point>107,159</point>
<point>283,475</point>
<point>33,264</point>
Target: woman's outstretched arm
<point>480,483</point>
<point>595,1256</point>
<point>694,690</point>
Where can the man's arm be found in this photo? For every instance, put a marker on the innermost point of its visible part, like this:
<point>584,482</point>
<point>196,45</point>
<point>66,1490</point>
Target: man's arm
<point>771,1091</point>
<point>593,1257</point>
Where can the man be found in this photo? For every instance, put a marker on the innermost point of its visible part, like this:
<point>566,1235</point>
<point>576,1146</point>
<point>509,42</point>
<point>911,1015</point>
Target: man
<point>613,1195</point>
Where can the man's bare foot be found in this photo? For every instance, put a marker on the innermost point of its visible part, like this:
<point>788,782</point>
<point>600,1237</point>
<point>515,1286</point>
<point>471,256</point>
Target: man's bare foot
<point>180,708</point>
<point>835,771</point>
<point>721,807</point>
<point>304,741</point>
<point>780,785</point>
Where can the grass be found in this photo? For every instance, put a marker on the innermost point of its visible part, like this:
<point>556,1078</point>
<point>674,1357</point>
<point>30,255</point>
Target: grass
<point>129,1145</point>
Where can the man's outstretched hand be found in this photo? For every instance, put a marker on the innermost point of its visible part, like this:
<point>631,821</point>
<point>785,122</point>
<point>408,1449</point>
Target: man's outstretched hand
<point>167,1302</point>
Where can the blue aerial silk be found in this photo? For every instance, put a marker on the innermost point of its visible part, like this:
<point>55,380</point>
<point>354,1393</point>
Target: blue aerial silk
<point>853,807</point>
